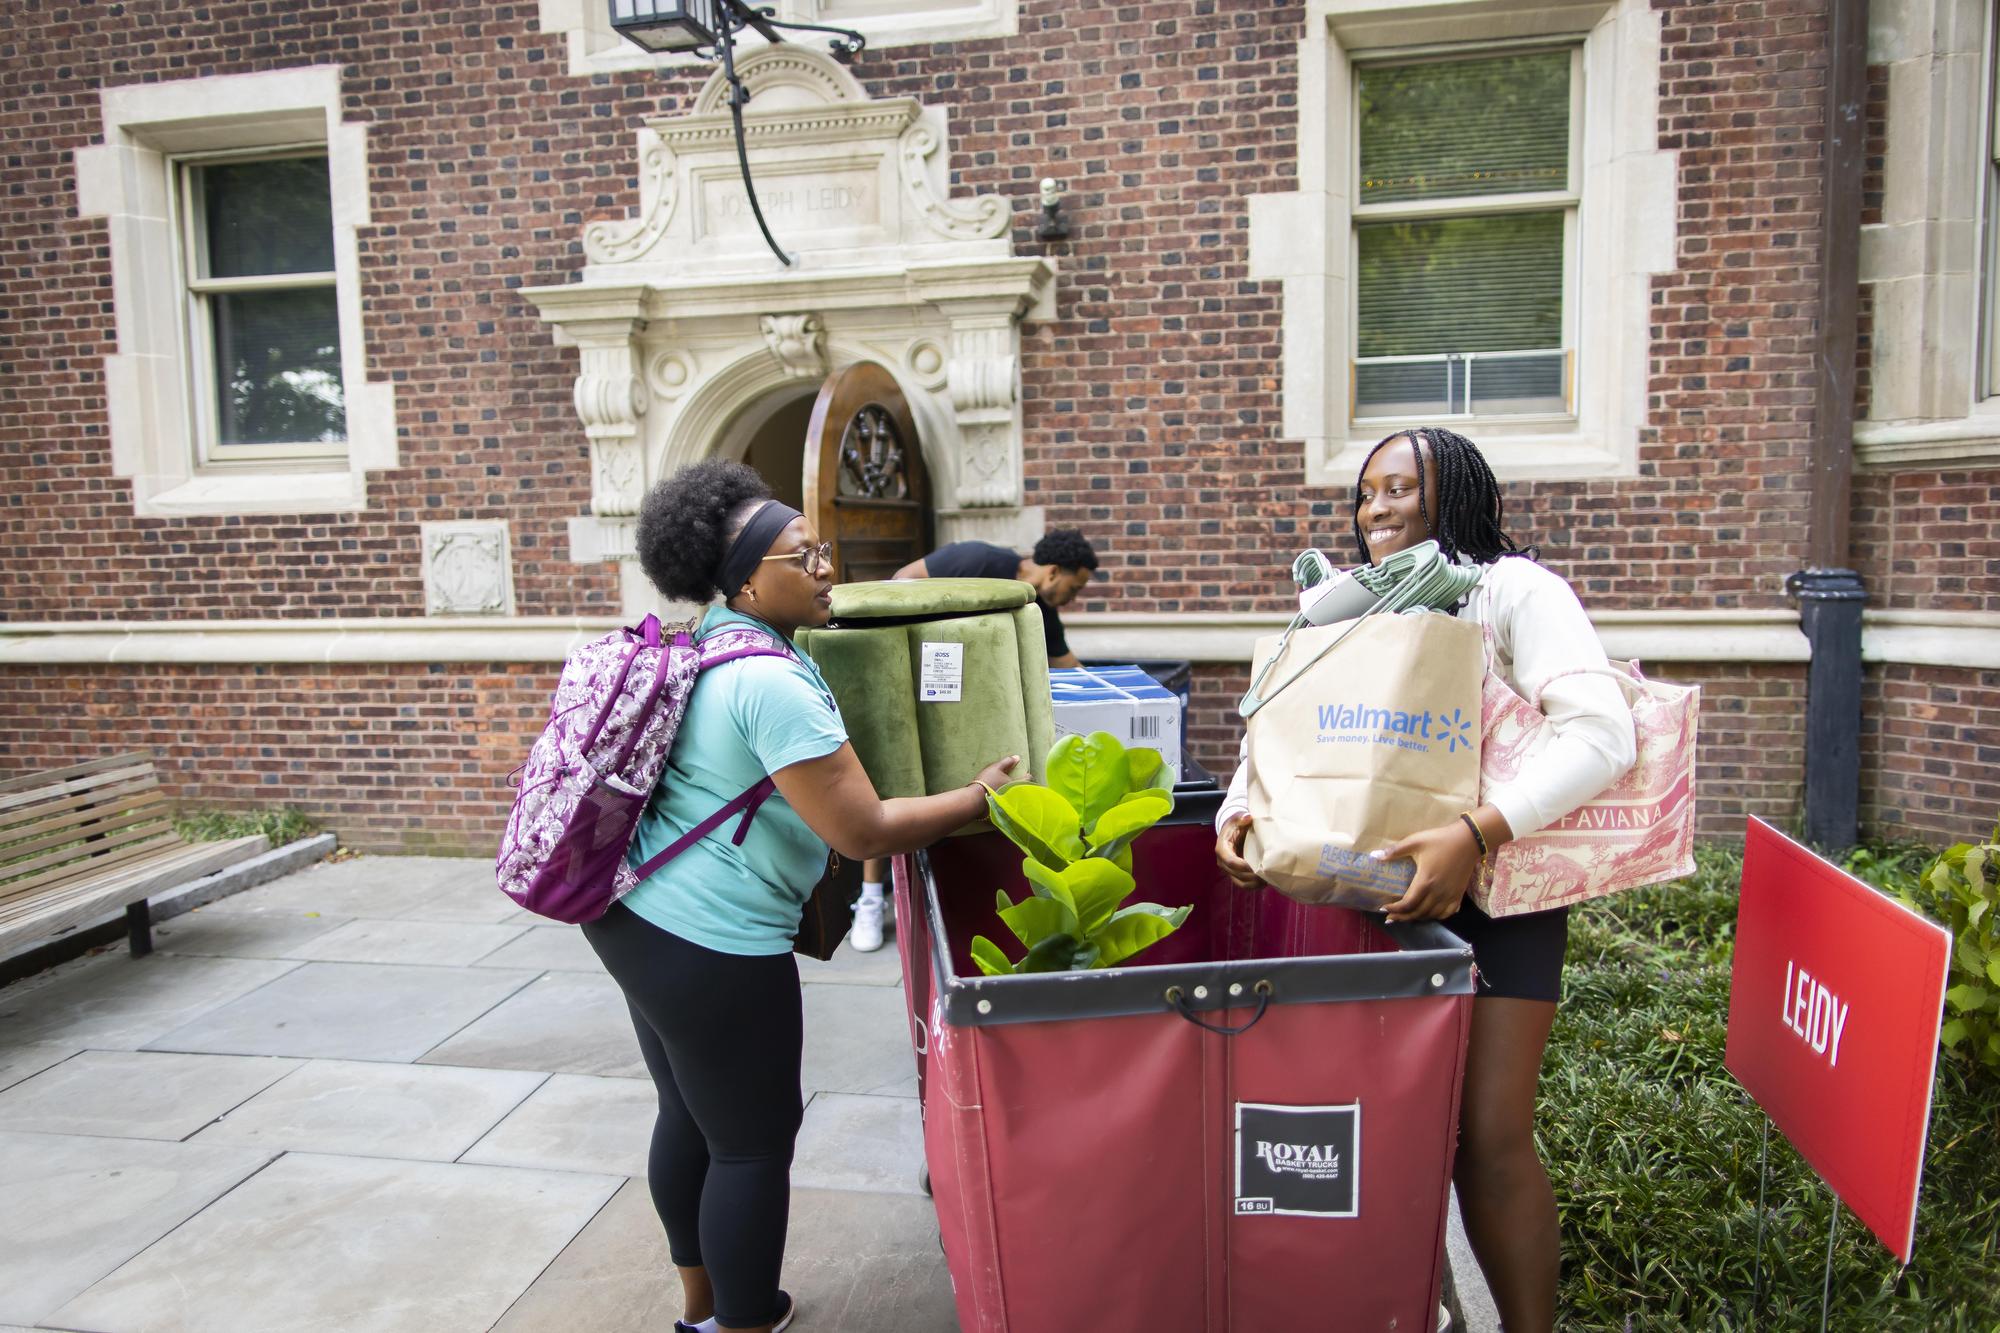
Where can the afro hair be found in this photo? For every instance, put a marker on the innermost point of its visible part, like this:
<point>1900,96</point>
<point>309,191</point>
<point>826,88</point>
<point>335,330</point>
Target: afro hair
<point>688,521</point>
<point>1065,548</point>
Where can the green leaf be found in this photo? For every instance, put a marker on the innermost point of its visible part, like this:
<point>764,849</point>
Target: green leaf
<point>1173,916</point>
<point>1089,772</point>
<point>1097,887</point>
<point>1125,935</point>
<point>1952,1033</point>
<point>989,957</point>
<point>1993,970</point>
<point>1127,820</point>
<point>1977,911</point>
<point>1051,955</point>
<point>1039,822</point>
<point>1001,902</point>
<point>1145,765</point>
<point>1036,919</point>
<point>1966,999</point>
<point>1049,884</point>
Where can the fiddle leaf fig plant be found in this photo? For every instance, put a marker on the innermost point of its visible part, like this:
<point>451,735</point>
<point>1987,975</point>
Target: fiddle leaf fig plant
<point>1078,832</point>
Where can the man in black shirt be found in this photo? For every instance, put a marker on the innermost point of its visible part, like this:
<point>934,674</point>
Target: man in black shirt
<point>1061,565</point>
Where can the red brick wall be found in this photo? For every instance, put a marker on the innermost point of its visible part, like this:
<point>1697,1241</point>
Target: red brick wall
<point>404,757</point>
<point>1930,752</point>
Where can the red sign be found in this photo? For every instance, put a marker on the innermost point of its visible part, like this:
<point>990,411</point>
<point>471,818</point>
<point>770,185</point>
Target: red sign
<point>1834,1008</point>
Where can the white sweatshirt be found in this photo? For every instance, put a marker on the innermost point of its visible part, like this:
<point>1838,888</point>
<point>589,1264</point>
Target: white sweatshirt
<point>1539,631</point>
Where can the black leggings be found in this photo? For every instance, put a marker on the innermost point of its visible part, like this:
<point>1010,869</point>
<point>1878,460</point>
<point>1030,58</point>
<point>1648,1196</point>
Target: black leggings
<point>722,1035</point>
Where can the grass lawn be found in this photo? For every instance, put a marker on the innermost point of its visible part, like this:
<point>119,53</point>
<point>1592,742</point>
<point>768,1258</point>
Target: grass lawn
<point>1653,1147</point>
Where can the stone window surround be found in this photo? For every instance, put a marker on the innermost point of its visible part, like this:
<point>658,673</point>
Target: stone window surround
<point>1924,261</point>
<point>595,49</point>
<point>1626,224</point>
<point>126,180</point>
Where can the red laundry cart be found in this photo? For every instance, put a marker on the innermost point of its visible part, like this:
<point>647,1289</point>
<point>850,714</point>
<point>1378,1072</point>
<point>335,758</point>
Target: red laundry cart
<point>1250,1133</point>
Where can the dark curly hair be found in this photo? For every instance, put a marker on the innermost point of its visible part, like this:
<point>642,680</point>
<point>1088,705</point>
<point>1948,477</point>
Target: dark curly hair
<point>1065,548</point>
<point>1468,521</point>
<point>688,521</point>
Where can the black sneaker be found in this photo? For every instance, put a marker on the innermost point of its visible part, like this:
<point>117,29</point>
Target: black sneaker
<point>790,1307</point>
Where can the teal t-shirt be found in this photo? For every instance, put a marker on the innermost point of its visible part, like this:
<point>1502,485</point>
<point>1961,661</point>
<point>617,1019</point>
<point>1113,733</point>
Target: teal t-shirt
<point>746,719</point>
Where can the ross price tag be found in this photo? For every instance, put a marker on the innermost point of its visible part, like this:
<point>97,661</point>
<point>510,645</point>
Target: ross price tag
<point>941,673</point>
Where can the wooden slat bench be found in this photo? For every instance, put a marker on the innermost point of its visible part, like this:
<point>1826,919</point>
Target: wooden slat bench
<point>77,842</point>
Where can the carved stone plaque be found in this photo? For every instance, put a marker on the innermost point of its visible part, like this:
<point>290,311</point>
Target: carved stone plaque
<point>812,198</point>
<point>467,570</point>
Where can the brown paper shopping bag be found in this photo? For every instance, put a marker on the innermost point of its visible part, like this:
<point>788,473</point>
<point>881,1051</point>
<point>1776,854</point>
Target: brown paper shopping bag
<point>1358,748</point>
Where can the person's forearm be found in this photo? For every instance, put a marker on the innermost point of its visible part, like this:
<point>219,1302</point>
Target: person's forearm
<point>910,822</point>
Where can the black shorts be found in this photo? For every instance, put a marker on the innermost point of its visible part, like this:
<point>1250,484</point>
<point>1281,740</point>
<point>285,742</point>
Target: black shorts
<point>1519,957</point>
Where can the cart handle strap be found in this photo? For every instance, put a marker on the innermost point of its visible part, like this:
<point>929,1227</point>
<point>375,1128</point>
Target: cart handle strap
<point>1178,999</point>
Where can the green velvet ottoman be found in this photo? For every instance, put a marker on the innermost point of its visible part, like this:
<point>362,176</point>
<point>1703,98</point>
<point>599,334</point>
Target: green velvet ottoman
<point>937,678</point>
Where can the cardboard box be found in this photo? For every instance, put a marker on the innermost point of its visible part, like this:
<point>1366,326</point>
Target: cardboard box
<point>1122,700</point>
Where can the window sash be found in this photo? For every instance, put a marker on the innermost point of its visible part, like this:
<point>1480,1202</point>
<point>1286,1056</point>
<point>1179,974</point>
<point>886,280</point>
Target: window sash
<point>198,323</point>
<point>1461,369</point>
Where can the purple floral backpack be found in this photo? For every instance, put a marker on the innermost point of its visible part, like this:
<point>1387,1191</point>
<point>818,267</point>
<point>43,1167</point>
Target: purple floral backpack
<point>592,770</point>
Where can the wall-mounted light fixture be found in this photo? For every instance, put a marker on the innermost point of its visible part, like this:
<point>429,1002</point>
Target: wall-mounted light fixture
<point>708,28</point>
<point>1053,226</point>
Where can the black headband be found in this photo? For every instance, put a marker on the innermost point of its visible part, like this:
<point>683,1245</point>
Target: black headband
<point>740,561</point>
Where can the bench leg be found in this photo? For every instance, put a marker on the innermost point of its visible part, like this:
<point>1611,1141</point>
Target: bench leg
<point>139,928</point>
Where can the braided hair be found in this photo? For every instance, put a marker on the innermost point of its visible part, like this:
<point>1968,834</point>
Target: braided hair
<point>1468,519</point>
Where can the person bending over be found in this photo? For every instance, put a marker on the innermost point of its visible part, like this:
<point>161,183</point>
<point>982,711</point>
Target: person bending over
<point>1427,483</point>
<point>702,948</point>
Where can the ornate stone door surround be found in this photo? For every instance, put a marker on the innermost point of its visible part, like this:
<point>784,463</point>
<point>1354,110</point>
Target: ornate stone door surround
<point>682,318</point>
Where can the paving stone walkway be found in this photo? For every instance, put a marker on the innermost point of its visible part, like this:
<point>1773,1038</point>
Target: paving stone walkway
<point>373,1095</point>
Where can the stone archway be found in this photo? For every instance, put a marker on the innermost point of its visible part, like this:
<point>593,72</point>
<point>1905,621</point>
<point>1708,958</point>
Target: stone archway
<point>682,318</point>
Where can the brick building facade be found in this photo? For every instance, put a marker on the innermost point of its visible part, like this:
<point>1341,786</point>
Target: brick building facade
<point>545,299</point>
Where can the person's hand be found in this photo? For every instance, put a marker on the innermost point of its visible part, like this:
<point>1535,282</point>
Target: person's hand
<point>1447,858</point>
<point>999,773</point>
<point>1229,853</point>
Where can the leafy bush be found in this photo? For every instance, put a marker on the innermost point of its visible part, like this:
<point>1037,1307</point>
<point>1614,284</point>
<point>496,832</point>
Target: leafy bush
<point>1961,888</point>
<point>1654,1148</point>
<point>1078,833</point>
<point>282,825</point>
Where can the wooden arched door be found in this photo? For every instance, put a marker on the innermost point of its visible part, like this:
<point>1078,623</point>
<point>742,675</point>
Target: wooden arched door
<point>865,484</point>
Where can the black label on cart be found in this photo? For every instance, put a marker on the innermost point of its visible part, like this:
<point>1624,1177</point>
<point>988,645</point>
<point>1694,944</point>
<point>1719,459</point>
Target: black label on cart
<point>1298,1161</point>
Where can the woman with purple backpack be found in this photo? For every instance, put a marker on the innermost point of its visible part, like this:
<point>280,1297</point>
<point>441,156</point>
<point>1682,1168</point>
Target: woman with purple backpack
<point>702,948</point>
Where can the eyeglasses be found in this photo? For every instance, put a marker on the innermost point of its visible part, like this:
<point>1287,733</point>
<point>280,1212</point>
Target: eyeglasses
<point>809,557</point>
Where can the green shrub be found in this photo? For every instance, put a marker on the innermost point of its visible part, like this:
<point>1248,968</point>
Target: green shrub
<point>1653,1148</point>
<point>1961,889</point>
<point>281,825</point>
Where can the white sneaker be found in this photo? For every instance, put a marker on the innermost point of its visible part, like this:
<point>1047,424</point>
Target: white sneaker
<point>867,932</point>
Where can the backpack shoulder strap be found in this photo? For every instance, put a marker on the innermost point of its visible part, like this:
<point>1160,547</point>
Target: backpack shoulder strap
<point>729,645</point>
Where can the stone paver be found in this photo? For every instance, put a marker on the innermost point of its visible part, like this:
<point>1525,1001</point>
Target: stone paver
<point>355,1011</point>
<point>114,1002</point>
<point>20,1062</point>
<point>546,948</point>
<point>857,1040</point>
<point>860,1143</point>
<point>576,1123</point>
<point>137,1094</point>
<point>563,1023</point>
<point>438,943</point>
<point>366,1109</point>
<point>74,1208</point>
<point>218,934</point>
<point>349,1243</point>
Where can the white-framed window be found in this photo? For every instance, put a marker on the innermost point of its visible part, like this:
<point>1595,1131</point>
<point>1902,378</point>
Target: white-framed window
<point>1482,207</point>
<point>263,318</point>
<point>1464,223</point>
<point>232,203</point>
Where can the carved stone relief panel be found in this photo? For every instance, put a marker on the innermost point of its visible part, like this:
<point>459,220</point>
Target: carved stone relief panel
<point>467,569</point>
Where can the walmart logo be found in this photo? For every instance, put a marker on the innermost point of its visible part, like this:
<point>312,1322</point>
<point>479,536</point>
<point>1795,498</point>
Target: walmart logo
<point>1456,731</point>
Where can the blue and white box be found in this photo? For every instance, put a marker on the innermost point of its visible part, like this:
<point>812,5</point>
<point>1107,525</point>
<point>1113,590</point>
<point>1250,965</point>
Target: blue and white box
<point>1122,700</point>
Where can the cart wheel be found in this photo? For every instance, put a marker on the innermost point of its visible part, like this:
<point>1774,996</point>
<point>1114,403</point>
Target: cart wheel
<point>924,1177</point>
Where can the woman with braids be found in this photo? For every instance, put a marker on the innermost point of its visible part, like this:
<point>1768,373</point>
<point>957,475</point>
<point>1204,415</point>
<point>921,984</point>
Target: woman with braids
<point>1431,483</point>
<point>702,948</point>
